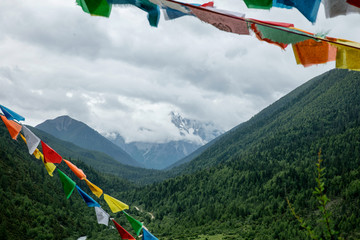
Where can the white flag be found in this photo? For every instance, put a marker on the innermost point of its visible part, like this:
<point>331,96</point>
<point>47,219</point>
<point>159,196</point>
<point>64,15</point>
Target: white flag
<point>32,141</point>
<point>102,216</point>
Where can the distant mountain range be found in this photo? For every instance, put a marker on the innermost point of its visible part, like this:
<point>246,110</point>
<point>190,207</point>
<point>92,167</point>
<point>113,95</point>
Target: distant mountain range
<point>162,155</point>
<point>138,154</point>
<point>80,134</point>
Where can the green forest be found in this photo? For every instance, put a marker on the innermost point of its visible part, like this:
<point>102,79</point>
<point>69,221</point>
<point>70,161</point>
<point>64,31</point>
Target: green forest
<point>235,189</point>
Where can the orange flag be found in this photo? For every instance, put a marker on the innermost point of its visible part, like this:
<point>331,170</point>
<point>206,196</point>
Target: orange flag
<point>311,52</point>
<point>95,189</point>
<point>50,154</point>
<point>13,127</point>
<point>78,172</point>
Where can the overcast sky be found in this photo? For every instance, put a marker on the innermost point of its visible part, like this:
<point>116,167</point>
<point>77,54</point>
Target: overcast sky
<point>120,74</point>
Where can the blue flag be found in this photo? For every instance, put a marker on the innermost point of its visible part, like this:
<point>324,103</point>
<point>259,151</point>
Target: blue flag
<point>89,201</point>
<point>147,235</point>
<point>309,8</point>
<point>153,10</point>
<point>10,115</point>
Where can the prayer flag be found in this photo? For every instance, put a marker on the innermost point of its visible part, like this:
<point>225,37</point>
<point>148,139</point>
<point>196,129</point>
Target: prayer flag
<point>136,225</point>
<point>223,20</point>
<point>261,4</point>
<point>50,167</point>
<point>68,184</point>
<point>335,8</point>
<point>37,153</point>
<point>261,38</point>
<point>11,115</point>
<point>89,201</point>
<point>311,52</point>
<point>152,9</point>
<point>280,4</point>
<point>95,7</point>
<point>282,35</point>
<point>78,172</point>
<point>13,127</point>
<point>50,154</point>
<point>170,13</point>
<point>147,235</point>
<point>355,3</point>
<point>123,233</point>
<point>102,216</point>
<point>347,57</point>
<point>95,189</point>
<point>114,204</point>
<point>308,8</point>
<point>32,141</point>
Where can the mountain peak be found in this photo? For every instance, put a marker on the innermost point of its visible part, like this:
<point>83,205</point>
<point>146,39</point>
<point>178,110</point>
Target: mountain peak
<point>71,130</point>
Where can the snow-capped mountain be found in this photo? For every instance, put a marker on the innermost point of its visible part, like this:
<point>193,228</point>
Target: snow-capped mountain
<point>192,134</point>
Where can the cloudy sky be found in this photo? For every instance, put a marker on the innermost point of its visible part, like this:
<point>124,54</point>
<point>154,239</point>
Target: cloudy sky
<point>120,74</point>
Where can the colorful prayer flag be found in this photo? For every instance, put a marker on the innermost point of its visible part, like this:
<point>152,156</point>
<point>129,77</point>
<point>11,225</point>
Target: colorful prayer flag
<point>95,7</point>
<point>77,171</point>
<point>312,52</point>
<point>114,204</point>
<point>147,235</point>
<point>50,167</point>
<point>102,216</point>
<point>11,115</point>
<point>282,35</point>
<point>261,38</point>
<point>95,189</point>
<point>309,8</point>
<point>136,225</point>
<point>223,20</point>
<point>50,154</point>
<point>32,141</point>
<point>37,153</point>
<point>260,4</point>
<point>88,200</point>
<point>67,183</point>
<point>348,57</point>
<point>13,127</point>
<point>152,9</point>
<point>123,233</point>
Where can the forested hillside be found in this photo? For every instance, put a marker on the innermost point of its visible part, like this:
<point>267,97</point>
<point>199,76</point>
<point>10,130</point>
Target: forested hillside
<point>241,182</point>
<point>34,206</point>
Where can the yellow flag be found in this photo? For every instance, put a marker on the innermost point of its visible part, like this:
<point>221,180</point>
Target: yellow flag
<point>348,57</point>
<point>50,167</point>
<point>37,153</point>
<point>95,189</point>
<point>114,204</point>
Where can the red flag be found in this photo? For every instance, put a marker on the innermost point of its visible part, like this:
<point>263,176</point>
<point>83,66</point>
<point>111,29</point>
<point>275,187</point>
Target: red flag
<point>123,233</point>
<point>13,127</point>
<point>355,3</point>
<point>49,154</point>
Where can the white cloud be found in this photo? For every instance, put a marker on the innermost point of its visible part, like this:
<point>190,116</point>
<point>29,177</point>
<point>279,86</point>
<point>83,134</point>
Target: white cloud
<point>121,74</point>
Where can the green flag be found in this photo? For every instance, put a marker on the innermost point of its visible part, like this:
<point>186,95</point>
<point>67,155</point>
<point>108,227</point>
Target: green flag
<point>136,225</point>
<point>282,34</point>
<point>95,7</point>
<point>261,4</point>
<point>68,184</point>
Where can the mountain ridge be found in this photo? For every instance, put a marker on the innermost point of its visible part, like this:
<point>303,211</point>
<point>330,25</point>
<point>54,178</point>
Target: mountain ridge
<point>71,130</point>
